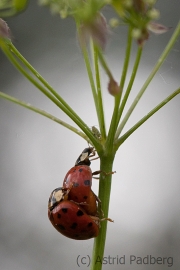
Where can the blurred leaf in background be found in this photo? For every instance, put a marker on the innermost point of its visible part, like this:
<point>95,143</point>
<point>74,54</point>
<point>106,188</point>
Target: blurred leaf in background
<point>10,8</point>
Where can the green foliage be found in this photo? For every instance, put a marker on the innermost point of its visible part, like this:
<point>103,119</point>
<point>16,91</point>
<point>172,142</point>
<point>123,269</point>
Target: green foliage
<point>80,10</point>
<point>10,8</point>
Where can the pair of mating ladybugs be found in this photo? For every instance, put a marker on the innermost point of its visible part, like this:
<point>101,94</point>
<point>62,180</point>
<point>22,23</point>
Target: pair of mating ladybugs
<point>73,208</point>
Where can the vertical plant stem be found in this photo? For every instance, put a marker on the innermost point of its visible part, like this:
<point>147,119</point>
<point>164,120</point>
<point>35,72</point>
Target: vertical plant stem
<point>89,71</point>
<point>114,120</point>
<point>133,75</point>
<point>99,94</point>
<point>104,195</point>
<point>126,59</point>
<point>90,75</point>
<point>104,64</point>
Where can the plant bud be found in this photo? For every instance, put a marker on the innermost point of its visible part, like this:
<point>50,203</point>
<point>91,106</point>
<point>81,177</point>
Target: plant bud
<point>113,87</point>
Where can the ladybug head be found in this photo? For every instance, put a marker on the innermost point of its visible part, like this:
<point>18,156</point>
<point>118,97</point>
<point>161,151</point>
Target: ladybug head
<point>83,159</point>
<point>57,195</point>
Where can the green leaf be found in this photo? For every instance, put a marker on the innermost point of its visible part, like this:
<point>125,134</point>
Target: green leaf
<point>19,5</point>
<point>11,8</point>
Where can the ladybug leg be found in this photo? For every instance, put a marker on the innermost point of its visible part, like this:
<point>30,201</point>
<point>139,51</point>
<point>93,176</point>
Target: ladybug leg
<point>96,219</point>
<point>105,173</point>
<point>93,153</point>
<point>99,205</point>
<point>93,158</point>
<point>100,209</point>
<point>108,219</point>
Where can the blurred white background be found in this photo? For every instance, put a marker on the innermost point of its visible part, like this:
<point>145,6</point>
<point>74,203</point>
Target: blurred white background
<point>36,153</point>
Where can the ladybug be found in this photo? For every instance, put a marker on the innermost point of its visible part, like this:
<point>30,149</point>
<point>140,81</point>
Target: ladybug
<point>79,181</point>
<point>72,209</point>
<point>69,218</point>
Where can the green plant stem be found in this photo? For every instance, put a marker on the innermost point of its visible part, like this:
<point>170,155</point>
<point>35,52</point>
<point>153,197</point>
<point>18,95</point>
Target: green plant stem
<point>89,71</point>
<point>90,75</point>
<point>66,110</point>
<point>44,113</point>
<point>114,120</point>
<point>44,82</point>
<point>38,76</point>
<point>99,94</point>
<point>133,75</point>
<point>104,63</point>
<point>145,118</point>
<point>126,60</point>
<point>104,195</point>
<point>152,74</point>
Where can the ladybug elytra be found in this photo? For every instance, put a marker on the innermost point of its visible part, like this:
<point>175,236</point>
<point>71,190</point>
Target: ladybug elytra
<point>72,221</point>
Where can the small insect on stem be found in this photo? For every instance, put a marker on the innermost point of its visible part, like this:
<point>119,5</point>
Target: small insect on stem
<point>96,133</point>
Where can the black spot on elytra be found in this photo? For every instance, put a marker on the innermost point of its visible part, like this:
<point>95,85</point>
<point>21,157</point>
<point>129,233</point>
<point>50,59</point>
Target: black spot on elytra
<point>80,170</point>
<point>64,210</point>
<point>61,227</point>
<point>75,185</point>
<point>59,215</point>
<point>85,197</point>
<point>90,224</point>
<point>74,225</point>
<point>87,182</point>
<point>79,213</point>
